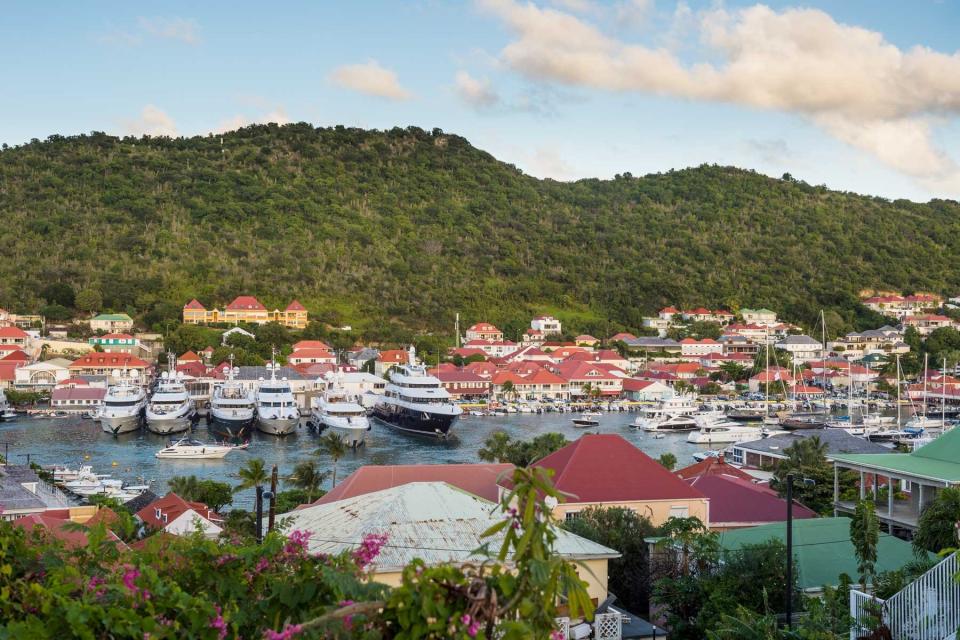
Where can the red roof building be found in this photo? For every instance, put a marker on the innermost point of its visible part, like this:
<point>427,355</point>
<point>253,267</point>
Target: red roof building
<point>607,470</point>
<point>713,466</point>
<point>311,344</point>
<point>478,479</point>
<point>189,356</point>
<point>17,355</point>
<point>175,515</point>
<point>104,364</point>
<point>295,306</point>
<point>483,331</point>
<point>311,356</point>
<point>13,335</point>
<point>62,529</point>
<point>462,383</point>
<point>195,305</point>
<point>623,337</point>
<point>246,303</point>
<point>736,502</point>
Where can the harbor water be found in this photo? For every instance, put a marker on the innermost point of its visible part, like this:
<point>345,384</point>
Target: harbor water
<point>74,441</point>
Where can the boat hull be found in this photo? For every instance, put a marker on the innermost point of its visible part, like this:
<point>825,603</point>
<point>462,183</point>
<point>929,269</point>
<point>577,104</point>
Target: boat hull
<point>166,426</point>
<point>800,425</point>
<point>278,426</point>
<point>238,428</point>
<point>420,423</point>
<point>120,424</point>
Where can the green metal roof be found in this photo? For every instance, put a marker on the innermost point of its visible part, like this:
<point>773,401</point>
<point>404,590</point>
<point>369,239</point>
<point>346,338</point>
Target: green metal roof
<point>761,310</point>
<point>938,460</point>
<point>822,548</point>
<point>114,317</point>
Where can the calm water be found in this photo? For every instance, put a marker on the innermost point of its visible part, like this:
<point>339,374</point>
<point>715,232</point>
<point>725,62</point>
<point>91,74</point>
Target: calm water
<point>73,441</point>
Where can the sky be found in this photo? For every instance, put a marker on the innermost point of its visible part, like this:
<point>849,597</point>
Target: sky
<point>859,95</point>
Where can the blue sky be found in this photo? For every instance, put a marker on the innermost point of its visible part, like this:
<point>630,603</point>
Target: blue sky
<point>855,94</point>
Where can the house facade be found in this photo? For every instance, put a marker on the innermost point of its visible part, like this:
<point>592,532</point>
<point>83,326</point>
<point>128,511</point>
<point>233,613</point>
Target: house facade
<point>116,343</point>
<point>483,331</point>
<point>246,309</point>
<point>111,322</point>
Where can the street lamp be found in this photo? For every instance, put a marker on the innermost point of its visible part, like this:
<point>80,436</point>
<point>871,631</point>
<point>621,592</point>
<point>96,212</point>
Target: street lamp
<point>789,588</point>
<point>261,494</point>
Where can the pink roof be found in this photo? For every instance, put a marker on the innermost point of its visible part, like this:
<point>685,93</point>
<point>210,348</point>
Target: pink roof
<point>73,381</point>
<point>189,356</point>
<point>456,375</point>
<point>311,353</point>
<point>623,336</point>
<point>713,466</point>
<point>585,338</point>
<point>296,306</point>
<point>109,361</point>
<point>194,304</point>
<point>116,336</point>
<point>478,479</point>
<point>572,370</point>
<point>734,500</point>
<point>13,332</point>
<point>607,468</point>
<point>929,317</point>
<point>74,394</point>
<point>245,303</point>
<point>484,327</point>
<point>311,344</point>
<point>482,368</point>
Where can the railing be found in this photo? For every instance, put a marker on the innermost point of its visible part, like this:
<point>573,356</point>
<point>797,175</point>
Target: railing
<point>860,614</point>
<point>929,607</point>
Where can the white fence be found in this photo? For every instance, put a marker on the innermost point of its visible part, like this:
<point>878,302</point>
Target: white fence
<point>860,613</point>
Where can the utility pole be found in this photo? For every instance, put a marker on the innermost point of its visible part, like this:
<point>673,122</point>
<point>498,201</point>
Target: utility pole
<point>273,501</point>
<point>259,514</point>
<point>789,551</point>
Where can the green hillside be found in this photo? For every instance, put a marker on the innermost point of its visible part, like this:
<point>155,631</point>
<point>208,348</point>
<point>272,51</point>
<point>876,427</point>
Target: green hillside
<point>402,228</point>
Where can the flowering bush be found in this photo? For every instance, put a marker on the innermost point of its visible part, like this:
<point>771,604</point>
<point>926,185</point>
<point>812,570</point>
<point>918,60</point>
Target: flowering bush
<point>191,587</point>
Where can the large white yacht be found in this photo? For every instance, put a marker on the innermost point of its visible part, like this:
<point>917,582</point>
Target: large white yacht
<point>170,409</point>
<point>671,414</point>
<point>232,407</point>
<point>190,449</point>
<point>124,405</point>
<point>277,410</point>
<point>6,413</point>
<point>415,402</point>
<point>719,430</point>
<point>342,414</point>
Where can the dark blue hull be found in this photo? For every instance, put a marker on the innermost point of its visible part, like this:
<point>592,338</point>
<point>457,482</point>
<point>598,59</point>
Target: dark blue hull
<point>231,429</point>
<point>416,422</point>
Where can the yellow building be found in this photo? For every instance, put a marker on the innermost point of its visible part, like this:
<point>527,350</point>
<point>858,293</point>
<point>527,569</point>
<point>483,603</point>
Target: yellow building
<point>605,470</point>
<point>245,309</point>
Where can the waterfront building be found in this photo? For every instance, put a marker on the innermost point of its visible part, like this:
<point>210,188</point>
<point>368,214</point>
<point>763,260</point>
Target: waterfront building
<point>768,452</point>
<point>42,376</point>
<point>462,384</point>
<point>246,309</point>
<point>77,398</point>
<point>389,359</point>
<point>108,364</point>
<point>111,322</point>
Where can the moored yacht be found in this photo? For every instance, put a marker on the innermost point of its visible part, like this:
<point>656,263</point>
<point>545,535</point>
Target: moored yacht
<point>6,413</point>
<point>343,415</point>
<point>718,430</point>
<point>232,407</point>
<point>170,409</point>
<point>124,406</point>
<point>415,402</point>
<point>190,449</point>
<point>670,414</point>
<point>277,410</point>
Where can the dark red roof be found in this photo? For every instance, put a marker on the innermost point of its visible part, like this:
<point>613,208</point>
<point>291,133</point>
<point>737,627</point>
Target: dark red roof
<point>607,468</point>
<point>173,506</point>
<point>713,466</point>
<point>737,501</point>
<point>296,306</point>
<point>109,360</point>
<point>59,528</point>
<point>478,479</point>
<point>194,304</point>
<point>245,303</point>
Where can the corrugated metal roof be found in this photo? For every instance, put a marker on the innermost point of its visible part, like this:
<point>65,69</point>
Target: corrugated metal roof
<point>433,521</point>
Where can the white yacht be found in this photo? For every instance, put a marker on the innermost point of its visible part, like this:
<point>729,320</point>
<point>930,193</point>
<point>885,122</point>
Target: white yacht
<point>232,407</point>
<point>124,405</point>
<point>343,415</point>
<point>170,409</point>
<point>719,430</point>
<point>277,410</point>
<point>6,413</point>
<point>190,449</point>
<point>670,414</point>
<point>415,402</point>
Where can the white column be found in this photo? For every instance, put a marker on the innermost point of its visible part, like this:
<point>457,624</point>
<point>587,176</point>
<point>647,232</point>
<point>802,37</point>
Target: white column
<point>890,492</point>
<point>863,491</point>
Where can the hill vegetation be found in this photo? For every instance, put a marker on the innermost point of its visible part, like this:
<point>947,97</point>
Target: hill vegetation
<point>396,231</point>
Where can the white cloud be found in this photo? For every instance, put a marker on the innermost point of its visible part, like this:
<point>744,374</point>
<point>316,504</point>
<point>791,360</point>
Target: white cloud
<point>578,6</point>
<point>546,162</point>
<point>372,79</point>
<point>278,116</point>
<point>848,80</point>
<point>153,121</point>
<point>183,29</point>
<point>633,13</point>
<point>476,93</point>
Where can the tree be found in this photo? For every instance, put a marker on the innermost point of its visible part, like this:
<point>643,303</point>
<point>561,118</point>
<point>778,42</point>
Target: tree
<point>704,329</point>
<point>507,389</point>
<point>89,300</point>
<point>499,447</point>
<point>58,293</point>
<point>936,528</point>
<point>735,371</point>
<point>215,495</point>
<point>253,474</point>
<point>624,530</point>
<point>332,446</point>
<point>865,534</point>
<point>307,478</point>
<point>806,459</point>
<point>668,460</point>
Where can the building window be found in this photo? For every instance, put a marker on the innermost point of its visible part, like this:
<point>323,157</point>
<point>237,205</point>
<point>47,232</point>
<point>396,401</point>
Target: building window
<point>679,511</point>
<point>571,515</point>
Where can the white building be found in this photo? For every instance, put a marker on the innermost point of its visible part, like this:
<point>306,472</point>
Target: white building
<point>802,348</point>
<point>41,376</point>
<point>759,316</point>
<point>547,324</point>
<point>697,348</point>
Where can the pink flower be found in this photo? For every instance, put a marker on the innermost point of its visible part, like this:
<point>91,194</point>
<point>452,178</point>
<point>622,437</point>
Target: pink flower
<point>218,623</point>
<point>288,632</point>
<point>130,577</point>
<point>297,542</point>
<point>465,619</point>
<point>369,549</point>
<point>345,603</point>
<point>473,629</point>
<point>262,565</point>
<point>556,635</point>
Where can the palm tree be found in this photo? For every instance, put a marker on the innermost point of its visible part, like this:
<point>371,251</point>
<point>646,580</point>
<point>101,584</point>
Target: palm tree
<point>507,389</point>
<point>586,389</point>
<point>254,474</point>
<point>308,478</point>
<point>184,486</point>
<point>331,445</point>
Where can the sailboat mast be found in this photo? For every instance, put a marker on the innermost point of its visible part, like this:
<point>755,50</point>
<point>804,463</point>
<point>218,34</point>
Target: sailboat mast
<point>926,362</point>
<point>898,391</point>
<point>943,395</point>
<point>766,389</point>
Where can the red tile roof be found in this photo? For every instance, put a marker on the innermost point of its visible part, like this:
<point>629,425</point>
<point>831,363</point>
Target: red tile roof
<point>193,368</point>
<point>245,303</point>
<point>194,304</point>
<point>189,356</point>
<point>117,336</point>
<point>17,355</point>
<point>76,394</point>
<point>296,306</point>
<point>669,310</point>
<point>173,506</point>
<point>311,344</point>
<point>311,353</point>
<point>465,352</point>
<point>632,384</point>
<point>8,369</point>
<point>542,376</point>
<point>484,327</point>
<point>713,466</point>
<point>13,332</point>
<point>585,338</point>
<point>456,375</point>
<point>478,479</point>
<point>734,500</point>
<point>623,336</point>
<point>393,355</point>
<point>58,528</point>
<point>108,360</point>
<point>607,468</point>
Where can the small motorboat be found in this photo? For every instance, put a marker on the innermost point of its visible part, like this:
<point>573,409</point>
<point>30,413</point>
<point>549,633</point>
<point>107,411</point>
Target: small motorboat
<point>190,449</point>
<point>585,421</point>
